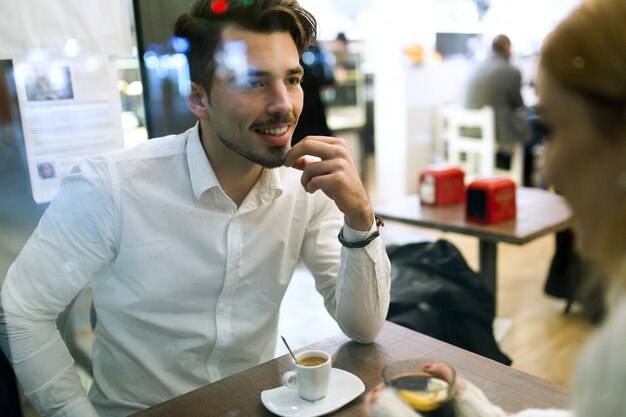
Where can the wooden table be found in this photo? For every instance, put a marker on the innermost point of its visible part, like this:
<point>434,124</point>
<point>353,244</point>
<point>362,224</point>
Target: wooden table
<point>539,213</point>
<point>240,394</point>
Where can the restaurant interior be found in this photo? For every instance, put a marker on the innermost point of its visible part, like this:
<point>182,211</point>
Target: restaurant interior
<point>397,68</point>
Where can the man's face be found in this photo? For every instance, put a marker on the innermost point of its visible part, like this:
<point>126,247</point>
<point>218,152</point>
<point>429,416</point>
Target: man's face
<point>256,98</point>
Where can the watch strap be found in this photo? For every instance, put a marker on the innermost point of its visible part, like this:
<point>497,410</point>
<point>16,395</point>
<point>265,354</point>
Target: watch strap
<point>364,242</point>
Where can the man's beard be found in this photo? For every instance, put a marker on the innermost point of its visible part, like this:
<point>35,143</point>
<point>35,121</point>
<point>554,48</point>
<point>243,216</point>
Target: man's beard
<point>274,158</point>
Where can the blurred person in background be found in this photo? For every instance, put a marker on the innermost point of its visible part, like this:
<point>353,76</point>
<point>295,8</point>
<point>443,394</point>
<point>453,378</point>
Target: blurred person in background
<point>318,76</point>
<point>582,104</point>
<point>497,83</point>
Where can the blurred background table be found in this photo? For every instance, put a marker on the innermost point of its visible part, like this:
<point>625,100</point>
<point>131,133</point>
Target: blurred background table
<point>539,212</point>
<point>240,394</point>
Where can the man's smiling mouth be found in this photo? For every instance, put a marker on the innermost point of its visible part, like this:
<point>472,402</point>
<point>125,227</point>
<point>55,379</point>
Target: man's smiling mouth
<point>279,131</point>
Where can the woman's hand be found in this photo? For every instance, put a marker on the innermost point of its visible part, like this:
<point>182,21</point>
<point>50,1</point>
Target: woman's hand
<point>437,369</point>
<point>370,399</point>
<point>443,371</point>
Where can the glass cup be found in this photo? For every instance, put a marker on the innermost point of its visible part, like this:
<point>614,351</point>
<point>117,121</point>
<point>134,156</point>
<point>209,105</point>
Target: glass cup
<point>425,392</point>
<point>310,375</point>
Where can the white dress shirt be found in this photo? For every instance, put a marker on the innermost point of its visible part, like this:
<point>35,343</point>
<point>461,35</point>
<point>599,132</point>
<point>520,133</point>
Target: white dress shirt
<point>186,285</point>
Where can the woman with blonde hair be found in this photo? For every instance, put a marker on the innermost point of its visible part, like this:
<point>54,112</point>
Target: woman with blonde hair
<point>582,103</point>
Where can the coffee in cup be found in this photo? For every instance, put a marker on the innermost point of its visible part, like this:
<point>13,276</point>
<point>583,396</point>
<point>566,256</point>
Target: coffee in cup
<point>312,360</point>
<point>310,375</point>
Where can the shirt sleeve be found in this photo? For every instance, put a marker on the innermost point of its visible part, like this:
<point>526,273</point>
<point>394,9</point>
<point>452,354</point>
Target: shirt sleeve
<point>355,283</point>
<point>74,239</point>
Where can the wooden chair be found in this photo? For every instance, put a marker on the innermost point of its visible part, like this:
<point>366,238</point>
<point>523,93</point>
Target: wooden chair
<point>471,144</point>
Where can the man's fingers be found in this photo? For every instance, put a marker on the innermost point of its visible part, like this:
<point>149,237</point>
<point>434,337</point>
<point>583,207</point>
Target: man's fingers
<point>320,182</point>
<point>323,174</point>
<point>299,163</point>
<point>318,146</point>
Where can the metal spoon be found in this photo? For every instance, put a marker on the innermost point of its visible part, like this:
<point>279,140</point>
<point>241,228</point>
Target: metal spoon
<point>289,349</point>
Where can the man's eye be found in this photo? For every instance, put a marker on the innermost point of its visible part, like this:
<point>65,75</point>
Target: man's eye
<point>250,85</point>
<point>294,81</point>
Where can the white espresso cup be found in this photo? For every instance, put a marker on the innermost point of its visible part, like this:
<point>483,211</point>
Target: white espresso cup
<point>310,375</point>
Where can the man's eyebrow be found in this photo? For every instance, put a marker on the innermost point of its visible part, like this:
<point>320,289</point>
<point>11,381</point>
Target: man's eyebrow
<point>253,72</point>
<point>256,73</point>
<point>238,76</point>
<point>296,71</point>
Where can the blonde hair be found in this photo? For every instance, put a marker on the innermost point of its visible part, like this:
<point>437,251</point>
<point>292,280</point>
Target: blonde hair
<point>586,54</point>
<point>587,50</point>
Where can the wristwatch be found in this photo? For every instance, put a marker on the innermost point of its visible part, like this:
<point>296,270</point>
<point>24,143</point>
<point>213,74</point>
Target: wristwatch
<point>362,243</point>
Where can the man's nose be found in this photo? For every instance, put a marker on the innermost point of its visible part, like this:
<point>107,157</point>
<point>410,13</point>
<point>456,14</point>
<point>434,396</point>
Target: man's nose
<point>279,99</point>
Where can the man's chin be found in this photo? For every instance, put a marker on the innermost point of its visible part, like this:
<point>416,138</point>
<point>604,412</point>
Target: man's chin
<point>273,164</point>
<point>275,159</point>
<point>279,155</point>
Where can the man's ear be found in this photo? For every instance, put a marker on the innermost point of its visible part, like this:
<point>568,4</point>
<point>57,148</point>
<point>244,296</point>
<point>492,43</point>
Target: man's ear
<point>197,101</point>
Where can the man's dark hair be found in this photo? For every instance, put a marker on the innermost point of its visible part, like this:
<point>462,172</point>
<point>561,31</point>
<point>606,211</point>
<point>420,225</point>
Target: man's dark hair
<point>500,44</point>
<point>203,26</point>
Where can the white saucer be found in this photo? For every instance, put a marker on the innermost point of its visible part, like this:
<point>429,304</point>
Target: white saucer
<point>343,388</point>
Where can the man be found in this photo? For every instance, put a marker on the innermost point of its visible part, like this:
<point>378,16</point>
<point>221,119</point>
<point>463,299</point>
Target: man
<point>189,242</point>
<point>497,83</point>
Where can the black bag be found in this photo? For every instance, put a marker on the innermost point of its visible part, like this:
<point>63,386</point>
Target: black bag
<point>435,292</point>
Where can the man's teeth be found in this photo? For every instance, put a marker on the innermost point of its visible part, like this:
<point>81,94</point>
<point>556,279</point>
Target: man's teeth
<point>275,132</point>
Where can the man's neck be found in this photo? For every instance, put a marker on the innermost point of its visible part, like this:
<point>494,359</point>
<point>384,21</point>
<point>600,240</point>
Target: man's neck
<point>237,183</point>
<point>500,54</point>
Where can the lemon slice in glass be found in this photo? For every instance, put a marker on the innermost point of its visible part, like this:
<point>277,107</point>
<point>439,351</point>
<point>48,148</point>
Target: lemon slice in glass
<point>420,400</point>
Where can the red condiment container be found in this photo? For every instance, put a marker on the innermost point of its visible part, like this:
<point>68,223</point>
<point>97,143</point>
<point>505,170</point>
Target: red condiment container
<point>490,200</point>
<point>441,184</point>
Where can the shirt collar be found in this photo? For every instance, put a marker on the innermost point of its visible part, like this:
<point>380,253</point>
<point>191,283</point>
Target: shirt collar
<point>200,171</point>
<point>268,187</point>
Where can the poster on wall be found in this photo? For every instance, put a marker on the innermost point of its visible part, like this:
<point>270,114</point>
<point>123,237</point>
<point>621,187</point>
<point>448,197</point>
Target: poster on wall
<point>70,110</point>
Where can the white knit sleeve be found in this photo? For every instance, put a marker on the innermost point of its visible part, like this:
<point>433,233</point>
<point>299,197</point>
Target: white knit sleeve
<point>473,403</point>
<point>389,404</point>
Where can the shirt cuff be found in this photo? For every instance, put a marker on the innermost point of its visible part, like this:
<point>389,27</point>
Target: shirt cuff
<point>351,235</point>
